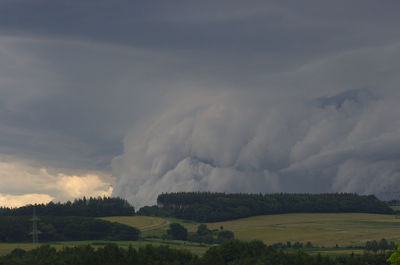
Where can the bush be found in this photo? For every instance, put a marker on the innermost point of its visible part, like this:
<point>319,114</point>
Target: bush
<point>225,235</point>
<point>177,232</point>
<point>205,235</point>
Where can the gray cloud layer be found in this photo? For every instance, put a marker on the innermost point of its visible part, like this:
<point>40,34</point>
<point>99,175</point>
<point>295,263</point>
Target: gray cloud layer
<point>314,136</point>
<point>218,95</point>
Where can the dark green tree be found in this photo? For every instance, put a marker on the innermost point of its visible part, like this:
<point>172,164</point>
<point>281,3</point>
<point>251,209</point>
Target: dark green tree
<point>177,231</point>
<point>394,259</point>
<point>202,230</point>
<point>383,245</point>
<point>225,235</point>
<point>374,246</point>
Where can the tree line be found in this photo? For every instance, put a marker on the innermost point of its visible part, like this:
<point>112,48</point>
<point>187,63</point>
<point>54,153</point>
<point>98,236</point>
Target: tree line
<point>57,228</point>
<point>202,235</point>
<point>295,245</point>
<point>381,245</point>
<point>230,252</point>
<point>90,207</point>
<point>213,207</point>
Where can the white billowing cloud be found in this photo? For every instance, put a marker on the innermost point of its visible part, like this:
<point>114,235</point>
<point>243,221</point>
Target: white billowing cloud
<point>23,183</point>
<point>79,186</point>
<point>318,129</point>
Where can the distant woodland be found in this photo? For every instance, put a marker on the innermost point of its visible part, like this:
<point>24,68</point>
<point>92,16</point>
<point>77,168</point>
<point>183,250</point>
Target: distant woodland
<point>213,207</point>
<point>68,221</point>
<point>210,206</point>
<point>76,220</point>
<point>89,207</point>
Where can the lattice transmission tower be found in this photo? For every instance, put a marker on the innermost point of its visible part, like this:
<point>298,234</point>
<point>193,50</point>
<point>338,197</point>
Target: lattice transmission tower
<point>35,232</point>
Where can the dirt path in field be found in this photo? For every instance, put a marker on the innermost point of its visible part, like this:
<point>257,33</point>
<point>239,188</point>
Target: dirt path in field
<point>165,223</point>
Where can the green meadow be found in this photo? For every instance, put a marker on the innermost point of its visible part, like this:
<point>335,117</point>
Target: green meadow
<point>344,229</point>
<point>6,248</point>
<point>142,223</point>
<point>196,248</point>
<point>323,230</point>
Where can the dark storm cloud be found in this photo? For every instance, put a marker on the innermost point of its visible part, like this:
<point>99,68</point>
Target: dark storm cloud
<point>212,25</point>
<point>73,91</point>
<point>308,131</point>
<point>173,77</point>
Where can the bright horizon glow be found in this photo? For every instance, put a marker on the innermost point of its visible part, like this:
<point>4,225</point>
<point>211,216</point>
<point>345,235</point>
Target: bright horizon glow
<point>24,183</point>
<point>14,201</point>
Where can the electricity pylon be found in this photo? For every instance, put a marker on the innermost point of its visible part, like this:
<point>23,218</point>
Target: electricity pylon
<point>35,232</point>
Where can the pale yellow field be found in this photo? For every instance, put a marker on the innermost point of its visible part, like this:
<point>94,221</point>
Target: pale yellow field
<point>336,252</point>
<point>6,248</point>
<point>142,223</point>
<point>320,229</point>
<point>344,229</point>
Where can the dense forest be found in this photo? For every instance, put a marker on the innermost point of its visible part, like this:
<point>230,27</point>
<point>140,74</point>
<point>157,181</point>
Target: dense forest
<point>212,207</point>
<point>91,207</point>
<point>18,228</point>
<point>230,252</point>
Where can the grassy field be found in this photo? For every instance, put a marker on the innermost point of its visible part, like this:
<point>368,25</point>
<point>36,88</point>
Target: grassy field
<point>334,251</point>
<point>142,223</point>
<point>193,247</point>
<point>158,232</point>
<point>6,248</point>
<point>320,229</point>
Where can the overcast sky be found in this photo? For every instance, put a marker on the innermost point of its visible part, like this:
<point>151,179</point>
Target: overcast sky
<point>135,98</point>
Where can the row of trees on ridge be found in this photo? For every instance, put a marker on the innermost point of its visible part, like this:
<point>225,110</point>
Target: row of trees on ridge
<point>213,207</point>
<point>93,207</point>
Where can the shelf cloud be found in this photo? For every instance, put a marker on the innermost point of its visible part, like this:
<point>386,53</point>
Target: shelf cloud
<point>295,138</point>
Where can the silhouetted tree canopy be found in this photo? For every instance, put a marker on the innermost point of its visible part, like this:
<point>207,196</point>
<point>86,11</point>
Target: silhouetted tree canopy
<point>177,232</point>
<point>213,207</point>
<point>205,235</point>
<point>18,228</point>
<point>92,207</point>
